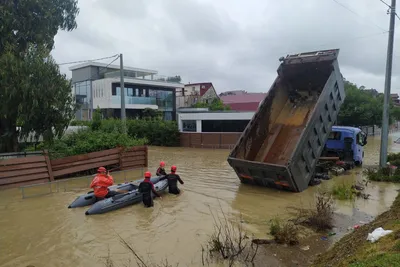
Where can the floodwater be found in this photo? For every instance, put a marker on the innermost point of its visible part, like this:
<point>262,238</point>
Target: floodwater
<point>42,231</point>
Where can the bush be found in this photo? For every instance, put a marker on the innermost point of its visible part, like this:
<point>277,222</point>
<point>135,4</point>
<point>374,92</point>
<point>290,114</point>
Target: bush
<point>86,141</point>
<point>321,217</point>
<point>79,123</point>
<point>383,174</point>
<point>156,132</point>
<point>284,233</point>
<point>343,192</point>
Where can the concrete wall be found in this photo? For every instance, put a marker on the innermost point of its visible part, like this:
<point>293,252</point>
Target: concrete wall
<point>198,117</point>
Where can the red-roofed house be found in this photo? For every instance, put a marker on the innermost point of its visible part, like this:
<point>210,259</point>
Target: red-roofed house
<point>195,92</point>
<point>243,101</point>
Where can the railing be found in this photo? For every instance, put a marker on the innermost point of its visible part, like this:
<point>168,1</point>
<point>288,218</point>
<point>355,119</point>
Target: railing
<point>131,100</point>
<point>131,75</point>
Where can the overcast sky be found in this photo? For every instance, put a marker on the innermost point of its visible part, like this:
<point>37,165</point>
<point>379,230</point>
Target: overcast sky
<point>233,44</point>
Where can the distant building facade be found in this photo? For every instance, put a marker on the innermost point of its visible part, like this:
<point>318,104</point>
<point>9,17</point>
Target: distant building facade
<point>98,85</point>
<point>194,93</point>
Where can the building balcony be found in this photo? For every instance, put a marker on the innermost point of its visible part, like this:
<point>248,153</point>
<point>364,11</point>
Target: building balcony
<point>133,75</point>
<point>132,100</point>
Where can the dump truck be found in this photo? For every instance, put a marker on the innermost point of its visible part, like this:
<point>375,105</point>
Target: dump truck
<point>283,141</point>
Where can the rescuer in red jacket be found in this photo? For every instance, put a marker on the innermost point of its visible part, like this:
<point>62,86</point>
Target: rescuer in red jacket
<point>101,182</point>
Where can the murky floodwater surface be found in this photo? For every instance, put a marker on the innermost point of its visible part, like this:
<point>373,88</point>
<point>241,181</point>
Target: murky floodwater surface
<point>42,231</point>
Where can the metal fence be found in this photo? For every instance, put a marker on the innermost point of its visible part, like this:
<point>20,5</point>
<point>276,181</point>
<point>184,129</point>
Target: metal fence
<point>77,184</point>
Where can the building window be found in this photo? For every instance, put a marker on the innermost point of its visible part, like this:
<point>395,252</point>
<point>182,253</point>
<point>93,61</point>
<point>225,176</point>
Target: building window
<point>228,126</point>
<point>189,126</point>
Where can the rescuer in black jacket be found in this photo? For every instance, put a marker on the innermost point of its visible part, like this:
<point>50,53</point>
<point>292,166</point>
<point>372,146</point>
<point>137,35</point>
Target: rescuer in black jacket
<point>173,179</point>
<point>146,187</point>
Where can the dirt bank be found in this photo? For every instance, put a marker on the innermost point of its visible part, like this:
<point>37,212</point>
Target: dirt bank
<point>355,251</point>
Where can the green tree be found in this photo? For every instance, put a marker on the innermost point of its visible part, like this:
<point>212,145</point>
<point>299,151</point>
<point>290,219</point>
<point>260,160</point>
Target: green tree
<point>149,113</point>
<point>96,122</point>
<point>33,92</point>
<point>361,108</point>
<point>34,22</point>
<point>216,104</point>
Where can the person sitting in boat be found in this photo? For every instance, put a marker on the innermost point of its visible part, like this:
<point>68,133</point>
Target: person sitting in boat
<point>146,187</point>
<point>173,179</point>
<point>161,171</point>
<point>101,182</point>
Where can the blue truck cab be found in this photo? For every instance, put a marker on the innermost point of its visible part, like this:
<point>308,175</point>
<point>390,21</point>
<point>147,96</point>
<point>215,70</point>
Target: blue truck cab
<point>346,143</point>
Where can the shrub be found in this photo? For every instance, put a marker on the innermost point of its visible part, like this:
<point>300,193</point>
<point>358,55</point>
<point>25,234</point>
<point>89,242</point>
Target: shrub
<point>157,132</point>
<point>79,123</point>
<point>343,192</point>
<point>320,217</point>
<point>383,174</point>
<point>86,141</point>
<point>284,233</point>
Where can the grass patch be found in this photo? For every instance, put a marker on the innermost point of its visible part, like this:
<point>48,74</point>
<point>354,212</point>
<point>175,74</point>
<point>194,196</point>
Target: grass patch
<point>343,192</point>
<point>381,260</point>
<point>284,232</point>
<point>354,250</point>
<point>383,174</point>
<point>348,192</point>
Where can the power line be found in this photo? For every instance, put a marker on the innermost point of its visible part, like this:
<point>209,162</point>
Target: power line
<point>385,4</point>
<point>89,60</point>
<point>390,8</point>
<point>100,69</point>
<point>355,13</point>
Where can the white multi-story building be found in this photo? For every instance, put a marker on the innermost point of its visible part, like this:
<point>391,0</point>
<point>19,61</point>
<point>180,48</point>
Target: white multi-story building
<point>97,85</point>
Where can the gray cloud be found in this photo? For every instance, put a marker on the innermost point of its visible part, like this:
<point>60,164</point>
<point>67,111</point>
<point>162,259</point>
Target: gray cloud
<point>234,44</point>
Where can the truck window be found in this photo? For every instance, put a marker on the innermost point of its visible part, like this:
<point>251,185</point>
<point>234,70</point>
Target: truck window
<point>335,136</point>
<point>361,139</point>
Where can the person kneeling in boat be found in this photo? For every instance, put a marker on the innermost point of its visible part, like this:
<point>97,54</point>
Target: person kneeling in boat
<point>161,171</point>
<point>101,182</point>
<point>146,187</point>
<point>173,179</point>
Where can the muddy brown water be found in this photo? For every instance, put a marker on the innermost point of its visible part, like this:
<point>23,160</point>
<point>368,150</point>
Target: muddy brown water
<point>42,231</point>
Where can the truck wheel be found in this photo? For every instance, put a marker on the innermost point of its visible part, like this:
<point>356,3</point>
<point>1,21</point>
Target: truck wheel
<point>358,163</point>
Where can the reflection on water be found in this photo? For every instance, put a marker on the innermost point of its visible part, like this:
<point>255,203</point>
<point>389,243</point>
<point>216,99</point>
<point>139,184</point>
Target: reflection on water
<point>41,231</point>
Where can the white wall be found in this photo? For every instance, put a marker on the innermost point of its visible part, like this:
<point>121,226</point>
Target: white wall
<point>101,90</point>
<point>198,117</point>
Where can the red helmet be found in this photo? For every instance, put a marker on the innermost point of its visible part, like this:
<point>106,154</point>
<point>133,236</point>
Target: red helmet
<point>173,168</point>
<point>147,175</point>
<point>101,169</point>
<point>162,164</point>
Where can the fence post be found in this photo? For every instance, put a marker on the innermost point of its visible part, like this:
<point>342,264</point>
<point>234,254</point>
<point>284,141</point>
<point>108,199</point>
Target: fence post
<point>121,151</point>
<point>146,156</point>
<point>48,163</point>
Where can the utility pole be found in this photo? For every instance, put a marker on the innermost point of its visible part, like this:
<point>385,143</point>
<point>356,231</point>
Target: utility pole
<point>122,86</point>
<point>388,81</point>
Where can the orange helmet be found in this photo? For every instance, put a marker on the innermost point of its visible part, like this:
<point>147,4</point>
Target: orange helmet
<point>173,168</point>
<point>162,164</point>
<point>147,175</point>
<point>101,169</point>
